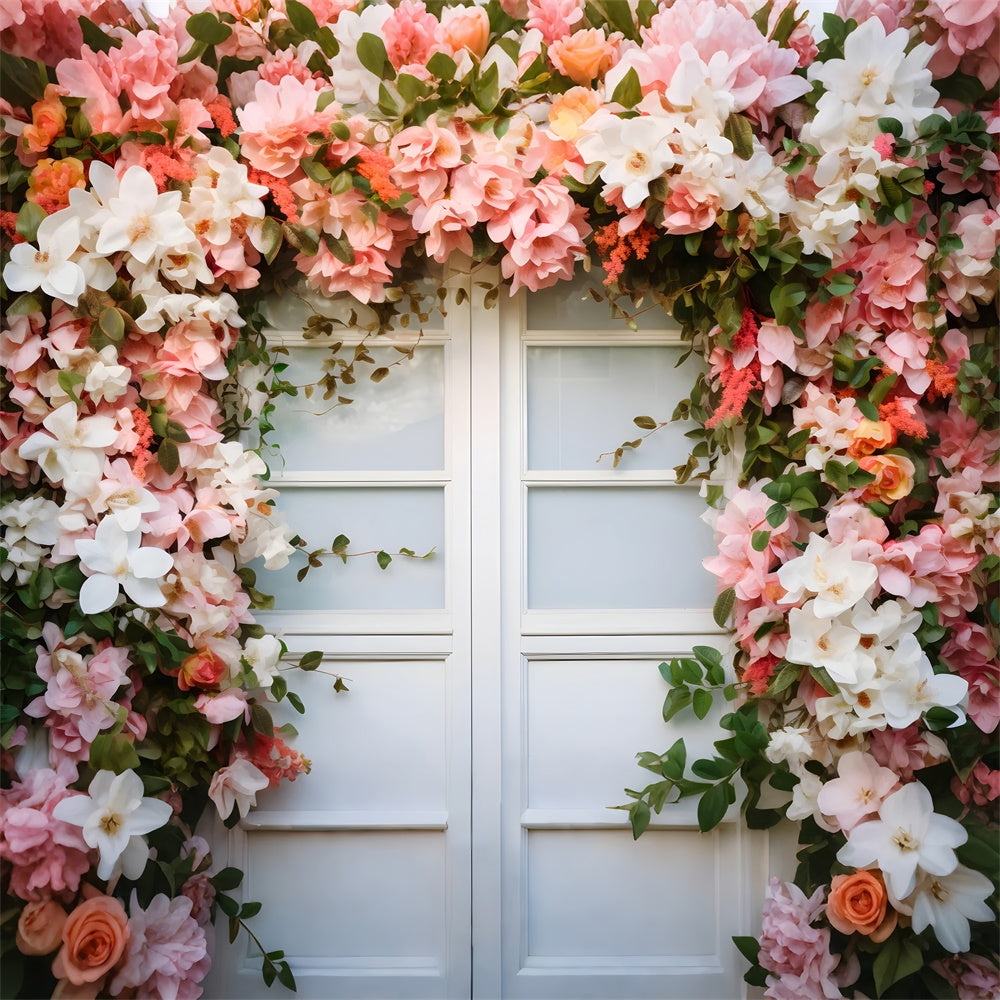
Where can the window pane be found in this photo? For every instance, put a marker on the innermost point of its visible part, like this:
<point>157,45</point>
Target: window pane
<point>374,518</point>
<point>617,547</point>
<point>396,424</point>
<point>569,305</point>
<point>582,402</point>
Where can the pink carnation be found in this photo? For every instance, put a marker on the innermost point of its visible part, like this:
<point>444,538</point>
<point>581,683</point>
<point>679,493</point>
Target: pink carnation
<point>277,122</point>
<point>981,788</point>
<point>409,34</point>
<point>47,856</point>
<point>554,18</point>
<point>146,65</point>
<point>889,12</point>
<point>968,38</point>
<point>971,654</point>
<point>93,77</point>
<point>167,952</point>
<point>797,953</point>
<point>906,750</point>
<point>423,156</point>
<point>543,235</point>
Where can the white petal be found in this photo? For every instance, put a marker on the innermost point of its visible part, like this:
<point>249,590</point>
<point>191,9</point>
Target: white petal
<point>149,815</point>
<point>146,593</point>
<point>75,809</point>
<point>97,594</point>
<point>134,858</point>
<point>151,564</point>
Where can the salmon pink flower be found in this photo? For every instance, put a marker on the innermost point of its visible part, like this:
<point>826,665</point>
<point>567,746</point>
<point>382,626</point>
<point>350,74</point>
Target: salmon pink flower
<point>858,790</point>
<point>236,786</point>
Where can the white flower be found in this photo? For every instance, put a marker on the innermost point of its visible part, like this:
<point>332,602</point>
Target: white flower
<point>634,152</point>
<point>790,744</point>
<point>355,84</point>
<point>30,524</point>
<point>50,266</point>
<point>113,814</point>
<point>817,641</point>
<point>73,452</point>
<point>115,559</point>
<point>236,786</point>
<point>828,572</point>
<point>804,796</point>
<point>262,656</point>
<point>908,836</point>
<point>125,502</point>
<point>141,220</point>
<point>947,903</point>
<point>106,380</point>
<point>918,689</point>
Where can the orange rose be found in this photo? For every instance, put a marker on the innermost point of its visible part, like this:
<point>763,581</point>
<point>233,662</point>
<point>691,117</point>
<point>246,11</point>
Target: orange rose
<point>465,28</point>
<point>893,477</point>
<point>857,904</point>
<point>871,436</point>
<point>570,110</point>
<point>51,181</point>
<point>203,669</point>
<point>94,937</point>
<point>584,56</point>
<point>48,121</point>
<point>40,927</point>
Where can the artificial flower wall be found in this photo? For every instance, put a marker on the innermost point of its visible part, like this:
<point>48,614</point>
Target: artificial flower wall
<point>819,213</point>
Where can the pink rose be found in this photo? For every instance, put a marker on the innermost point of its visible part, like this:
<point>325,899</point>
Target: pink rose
<point>464,28</point>
<point>40,927</point>
<point>584,56</point>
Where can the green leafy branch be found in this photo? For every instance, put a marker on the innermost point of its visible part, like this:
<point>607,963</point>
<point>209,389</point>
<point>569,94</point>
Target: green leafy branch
<point>338,548</point>
<point>273,965</point>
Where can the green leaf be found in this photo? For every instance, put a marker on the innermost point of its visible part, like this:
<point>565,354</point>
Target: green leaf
<point>898,958</point>
<point>206,27</point>
<point>29,218</point>
<point>95,38</point>
<point>271,238</point>
<point>723,607</point>
<point>301,237</point>
<point>68,381</point>
<point>168,456</point>
<point>713,805</point>
<point>486,89</point>
<point>628,93</point>
<point>702,702</point>
<point>371,52</point>
<point>442,66</point>
<point>760,540</point>
<point>679,698</point>
<point>640,816</point>
<point>867,408</point>
<point>645,423</point>
<point>739,132</point>
<point>311,660</point>
<point>302,18</point>
<point>383,559</point>
<point>112,324</point>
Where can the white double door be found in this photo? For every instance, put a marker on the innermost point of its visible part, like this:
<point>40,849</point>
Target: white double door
<point>454,838</point>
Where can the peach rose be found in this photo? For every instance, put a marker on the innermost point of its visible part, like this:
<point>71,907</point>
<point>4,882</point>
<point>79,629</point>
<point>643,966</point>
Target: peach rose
<point>570,110</point>
<point>465,28</point>
<point>51,181</point>
<point>94,937</point>
<point>893,477</point>
<point>48,121</point>
<point>40,927</point>
<point>203,669</point>
<point>857,904</point>
<point>584,56</point>
<point>871,436</point>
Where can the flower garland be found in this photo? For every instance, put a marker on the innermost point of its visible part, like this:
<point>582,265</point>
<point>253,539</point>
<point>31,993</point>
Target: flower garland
<point>821,217</point>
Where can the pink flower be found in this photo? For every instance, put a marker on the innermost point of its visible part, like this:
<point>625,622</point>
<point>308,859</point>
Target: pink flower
<point>275,759</point>
<point>487,186</point>
<point>971,654</point>
<point>797,953</point>
<point>277,122</point>
<point>889,12</point>
<point>93,77</point>
<point>543,235</point>
<point>447,227</point>
<point>972,976</point>
<point>690,207</point>
<point>236,786</point>
<point>981,788</point>
<point>554,18</point>
<point>409,34</point>
<point>47,856</point>
<point>220,708</point>
<point>146,65</point>
<point>424,155</point>
<point>166,954</point>
<point>858,790</point>
<point>904,751</point>
<point>969,31</point>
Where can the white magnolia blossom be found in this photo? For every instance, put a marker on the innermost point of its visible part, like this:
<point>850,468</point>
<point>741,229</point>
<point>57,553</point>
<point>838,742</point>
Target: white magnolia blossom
<point>948,902</point>
<point>50,266</point>
<point>31,526</point>
<point>634,151</point>
<point>114,815</point>
<point>912,688</point>
<point>71,454</point>
<point>827,572</point>
<point>116,560</point>
<point>907,838</point>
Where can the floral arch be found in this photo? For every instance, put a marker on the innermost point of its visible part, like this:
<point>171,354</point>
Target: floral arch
<point>818,210</point>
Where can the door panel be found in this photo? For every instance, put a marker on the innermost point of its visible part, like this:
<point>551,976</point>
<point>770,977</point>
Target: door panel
<point>454,839</point>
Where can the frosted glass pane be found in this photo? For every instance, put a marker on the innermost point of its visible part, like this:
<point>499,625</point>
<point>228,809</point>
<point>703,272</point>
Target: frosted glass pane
<point>617,547</point>
<point>582,401</point>
<point>374,518</point>
<point>396,424</point>
<point>569,305</point>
